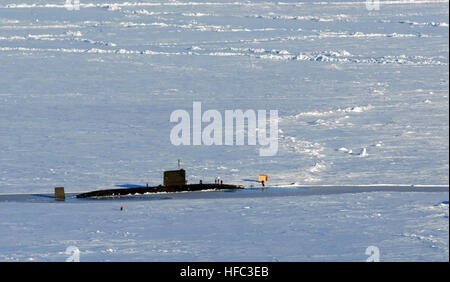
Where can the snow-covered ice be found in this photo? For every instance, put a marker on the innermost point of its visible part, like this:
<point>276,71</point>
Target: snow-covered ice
<point>362,98</point>
<point>405,226</point>
<point>86,95</point>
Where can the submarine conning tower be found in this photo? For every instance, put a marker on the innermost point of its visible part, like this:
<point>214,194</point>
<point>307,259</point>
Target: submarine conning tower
<point>175,177</point>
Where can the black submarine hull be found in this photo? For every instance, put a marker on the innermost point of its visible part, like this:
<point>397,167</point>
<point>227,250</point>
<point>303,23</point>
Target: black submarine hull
<point>157,189</point>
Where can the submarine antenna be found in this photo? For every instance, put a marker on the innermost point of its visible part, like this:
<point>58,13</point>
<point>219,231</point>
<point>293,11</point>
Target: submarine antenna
<point>179,164</point>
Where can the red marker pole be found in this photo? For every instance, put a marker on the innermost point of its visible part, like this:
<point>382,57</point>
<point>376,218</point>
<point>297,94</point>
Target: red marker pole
<point>121,208</point>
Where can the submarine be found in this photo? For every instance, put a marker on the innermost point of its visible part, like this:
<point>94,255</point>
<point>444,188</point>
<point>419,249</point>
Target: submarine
<point>174,181</point>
